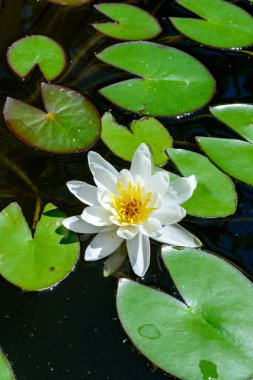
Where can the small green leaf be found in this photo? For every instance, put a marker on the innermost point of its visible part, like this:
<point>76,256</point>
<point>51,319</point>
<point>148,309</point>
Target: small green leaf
<point>36,263</point>
<point>222,24</point>
<point>172,81</point>
<point>71,124</point>
<point>209,335</point>
<point>238,117</point>
<point>5,368</point>
<point>124,142</point>
<point>70,3</point>
<point>234,157</point>
<point>132,23</point>
<point>215,195</point>
<point>31,51</point>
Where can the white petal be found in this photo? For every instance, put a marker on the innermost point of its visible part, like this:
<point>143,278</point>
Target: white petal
<point>103,178</point>
<point>178,236</point>
<point>102,245</point>
<point>141,163</point>
<point>125,177</point>
<point>84,192</point>
<point>96,215</point>
<point>115,260</point>
<point>181,189</point>
<point>152,228</point>
<point>105,199</point>
<point>156,200</point>
<point>169,212</point>
<point>77,224</point>
<point>128,232</point>
<point>95,158</point>
<point>158,183</point>
<point>139,254</point>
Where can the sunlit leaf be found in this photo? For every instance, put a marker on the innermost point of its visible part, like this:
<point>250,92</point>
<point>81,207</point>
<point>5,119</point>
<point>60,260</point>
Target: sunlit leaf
<point>71,123</point>
<point>215,195</point>
<point>222,24</point>
<point>124,142</point>
<point>208,335</point>
<point>238,117</point>
<point>5,369</point>
<point>234,157</point>
<point>36,263</point>
<point>70,2</point>
<point>132,23</point>
<point>30,51</point>
<point>172,81</point>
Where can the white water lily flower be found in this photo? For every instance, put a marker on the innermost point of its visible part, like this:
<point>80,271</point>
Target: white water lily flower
<point>133,206</point>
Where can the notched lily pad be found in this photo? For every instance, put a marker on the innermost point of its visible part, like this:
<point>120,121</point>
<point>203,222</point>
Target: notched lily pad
<point>172,82</point>
<point>124,142</point>
<point>5,368</point>
<point>222,24</point>
<point>132,23</point>
<point>71,123</point>
<point>215,195</point>
<point>207,336</point>
<point>36,263</point>
<point>41,51</point>
<point>234,157</point>
<point>238,117</point>
<point>70,3</point>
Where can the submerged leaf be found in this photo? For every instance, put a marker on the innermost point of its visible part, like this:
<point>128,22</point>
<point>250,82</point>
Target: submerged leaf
<point>71,123</point>
<point>70,2</point>
<point>31,51</point>
<point>172,81</point>
<point>5,368</point>
<point>124,142</point>
<point>215,195</point>
<point>222,24</point>
<point>132,23</point>
<point>40,262</point>
<point>234,157</point>
<point>209,335</point>
<point>238,117</point>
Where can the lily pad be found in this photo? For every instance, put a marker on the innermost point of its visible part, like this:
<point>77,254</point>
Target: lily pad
<point>172,82</point>
<point>132,23</point>
<point>5,369</point>
<point>71,123</point>
<point>209,333</point>
<point>222,24</point>
<point>36,263</point>
<point>70,3</point>
<point>238,117</point>
<point>40,51</point>
<point>124,142</point>
<point>234,157</point>
<point>215,195</point>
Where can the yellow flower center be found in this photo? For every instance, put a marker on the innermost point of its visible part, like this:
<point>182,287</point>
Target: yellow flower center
<point>131,205</point>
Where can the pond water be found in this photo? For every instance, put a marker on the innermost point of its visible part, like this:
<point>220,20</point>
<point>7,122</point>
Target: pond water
<point>72,331</point>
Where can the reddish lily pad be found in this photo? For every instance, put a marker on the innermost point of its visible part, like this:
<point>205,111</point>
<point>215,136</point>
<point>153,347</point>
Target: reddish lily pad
<point>71,123</point>
<point>41,51</point>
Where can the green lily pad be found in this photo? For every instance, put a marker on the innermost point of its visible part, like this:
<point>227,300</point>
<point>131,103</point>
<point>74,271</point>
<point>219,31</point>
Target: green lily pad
<point>132,23</point>
<point>36,263</point>
<point>238,117</point>
<point>71,123</point>
<point>124,142</point>
<point>5,368</point>
<point>215,195</point>
<point>70,3</point>
<point>40,51</point>
<point>210,333</point>
<point>234,157</point>
<point>222,24</point>
<point>172,82</point>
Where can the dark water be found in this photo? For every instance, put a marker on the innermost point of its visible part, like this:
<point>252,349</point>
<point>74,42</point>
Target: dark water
<point>72,332</point>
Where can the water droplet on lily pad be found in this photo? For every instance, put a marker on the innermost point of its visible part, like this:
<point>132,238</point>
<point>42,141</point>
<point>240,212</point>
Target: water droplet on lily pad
<point>149,331</point>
